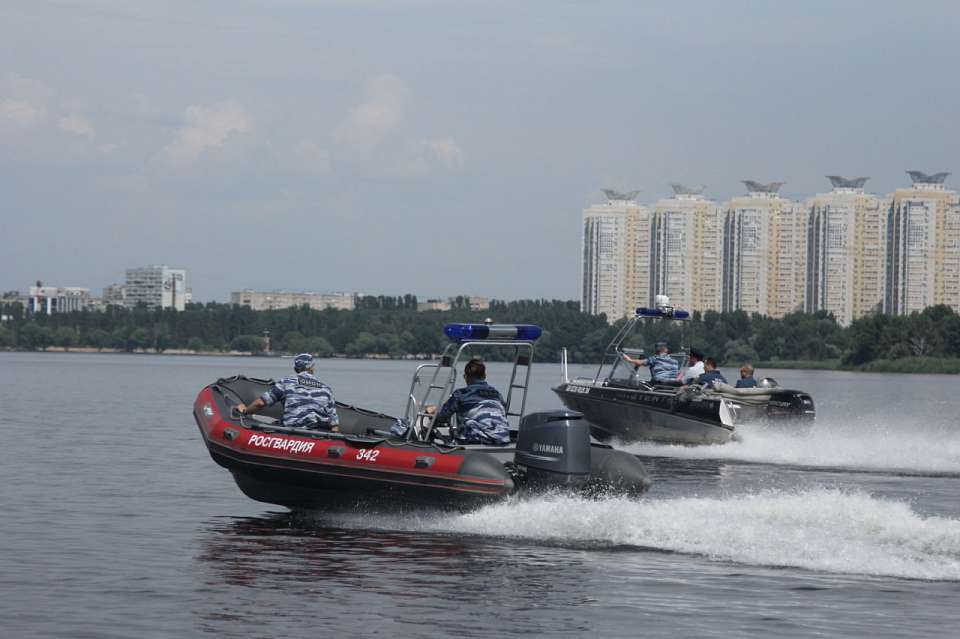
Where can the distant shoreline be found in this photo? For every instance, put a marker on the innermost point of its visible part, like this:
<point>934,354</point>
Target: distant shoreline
<point>905,366</point>
<point>182,352</point>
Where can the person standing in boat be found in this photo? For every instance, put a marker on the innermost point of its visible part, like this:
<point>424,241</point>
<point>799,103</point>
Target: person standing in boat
<point>746,377</point>
<point>479,407</point>
<point>663,367</point>
<point>712,375</point>
<point>307,402</point>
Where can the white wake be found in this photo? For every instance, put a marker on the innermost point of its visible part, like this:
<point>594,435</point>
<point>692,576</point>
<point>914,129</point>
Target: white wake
<point>823,529</point>
<point>897,449</point>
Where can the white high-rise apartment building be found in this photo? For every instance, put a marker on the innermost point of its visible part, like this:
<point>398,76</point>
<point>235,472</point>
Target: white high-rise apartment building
<point>688,249</point>
<point>923,246</point>
<point>764,252</point>
<point>846,251</point>
<point>157,287</point>
<point>616,256</point>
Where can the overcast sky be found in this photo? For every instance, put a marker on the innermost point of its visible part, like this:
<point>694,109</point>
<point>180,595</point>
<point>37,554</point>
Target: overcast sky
<point>432,147</point>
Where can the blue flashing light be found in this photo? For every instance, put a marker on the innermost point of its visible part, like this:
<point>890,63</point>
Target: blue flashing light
<point>650,312</point>
<point>492,332</point>
<point>665,313</point>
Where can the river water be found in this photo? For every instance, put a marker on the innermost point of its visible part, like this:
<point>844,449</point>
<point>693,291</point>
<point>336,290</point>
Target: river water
<point>115,522</point>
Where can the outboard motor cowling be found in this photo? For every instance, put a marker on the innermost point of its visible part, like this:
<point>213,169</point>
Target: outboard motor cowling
<point>553,449</point>
<point>791,405</point>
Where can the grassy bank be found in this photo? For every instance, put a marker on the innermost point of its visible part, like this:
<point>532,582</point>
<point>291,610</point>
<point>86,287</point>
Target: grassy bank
<point>804,364</point>
<point>933,365</point>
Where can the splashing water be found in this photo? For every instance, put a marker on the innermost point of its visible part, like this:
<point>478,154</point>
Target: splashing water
<point>823,529</point>
<point>898,449</point>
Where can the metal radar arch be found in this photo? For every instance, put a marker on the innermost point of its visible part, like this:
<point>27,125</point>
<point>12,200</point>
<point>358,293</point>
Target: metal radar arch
<point>662,310</point>
<point>434,382</point>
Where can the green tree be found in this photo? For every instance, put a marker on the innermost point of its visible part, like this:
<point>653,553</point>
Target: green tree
<point>247,343</point>
<point>65,337</point>
<point>196,344</point>
<point>34,336</point>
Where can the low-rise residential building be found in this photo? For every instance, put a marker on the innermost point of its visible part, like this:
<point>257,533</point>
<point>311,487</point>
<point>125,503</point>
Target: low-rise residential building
<point>434,305</point>
<point>474,302</point>
<point>115,295</point>
<point>276,300</point>
<point>57,299</point>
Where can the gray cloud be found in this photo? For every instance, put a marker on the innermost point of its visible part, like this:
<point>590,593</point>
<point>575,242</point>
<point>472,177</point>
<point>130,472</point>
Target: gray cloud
<point>206,126</point>
<point>376,129</point>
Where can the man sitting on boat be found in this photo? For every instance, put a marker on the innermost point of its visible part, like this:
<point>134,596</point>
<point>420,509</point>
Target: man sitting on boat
<point>712,375</point>
<point>479,407</point>
<point>695,370</point>
<point>663,368</point>
<point>307,402</point>
<point>746,377</point>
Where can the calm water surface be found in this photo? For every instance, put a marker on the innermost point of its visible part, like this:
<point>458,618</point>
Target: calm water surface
<point>116,523</point>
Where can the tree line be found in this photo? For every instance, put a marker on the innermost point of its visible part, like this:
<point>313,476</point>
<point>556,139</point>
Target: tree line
<point>391,326</point>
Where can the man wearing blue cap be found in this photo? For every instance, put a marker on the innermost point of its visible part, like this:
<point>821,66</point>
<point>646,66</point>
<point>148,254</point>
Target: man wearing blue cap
<point>307,402</point>
<point>663,368</point>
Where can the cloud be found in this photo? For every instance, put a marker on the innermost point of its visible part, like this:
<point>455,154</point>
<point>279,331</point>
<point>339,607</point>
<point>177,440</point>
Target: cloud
<point>369,122</point>
<point>447,151</point>
<point>207,127</point>
<point>77,126</point>
<point>19,112</point>
<point>553,41</point>
<point>311,158</point>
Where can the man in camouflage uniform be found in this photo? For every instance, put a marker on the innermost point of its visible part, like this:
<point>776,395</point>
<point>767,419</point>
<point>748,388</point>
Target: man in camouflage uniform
<point>479,407</point>
<point>663,368</point>
<point>307,402</point>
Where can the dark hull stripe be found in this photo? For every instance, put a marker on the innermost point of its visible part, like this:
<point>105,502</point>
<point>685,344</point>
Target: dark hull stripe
<point>465,484</point>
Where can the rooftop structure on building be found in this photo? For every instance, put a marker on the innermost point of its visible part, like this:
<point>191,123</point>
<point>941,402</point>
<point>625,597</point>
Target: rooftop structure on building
<point>682,191</point>
<point>770,189</point>
<point>276,300</point>
<point>932,181</point>
<point>620,196</point>
<point>839,182</point>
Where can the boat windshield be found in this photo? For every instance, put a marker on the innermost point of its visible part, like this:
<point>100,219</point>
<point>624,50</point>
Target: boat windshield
<point>625,374</point>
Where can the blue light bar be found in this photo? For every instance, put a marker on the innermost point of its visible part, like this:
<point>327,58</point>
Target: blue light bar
<point>665,313</point>
<point>514,332</point>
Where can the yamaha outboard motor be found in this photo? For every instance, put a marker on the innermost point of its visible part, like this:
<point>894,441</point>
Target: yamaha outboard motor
<point>553,449</point>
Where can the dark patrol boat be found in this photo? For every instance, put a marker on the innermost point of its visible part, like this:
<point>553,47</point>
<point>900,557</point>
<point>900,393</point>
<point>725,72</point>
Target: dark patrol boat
<point>367,464</point>
<point>625,407</point>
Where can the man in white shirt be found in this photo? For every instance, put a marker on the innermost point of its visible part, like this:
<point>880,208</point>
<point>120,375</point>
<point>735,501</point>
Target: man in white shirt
<point>696,367</point>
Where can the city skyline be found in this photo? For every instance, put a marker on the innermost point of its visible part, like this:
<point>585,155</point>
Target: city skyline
<point>848,252</point>
<point>201,134</point>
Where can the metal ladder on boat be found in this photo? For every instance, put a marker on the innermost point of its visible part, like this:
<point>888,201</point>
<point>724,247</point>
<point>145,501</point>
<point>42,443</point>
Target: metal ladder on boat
<point>521,359</point>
